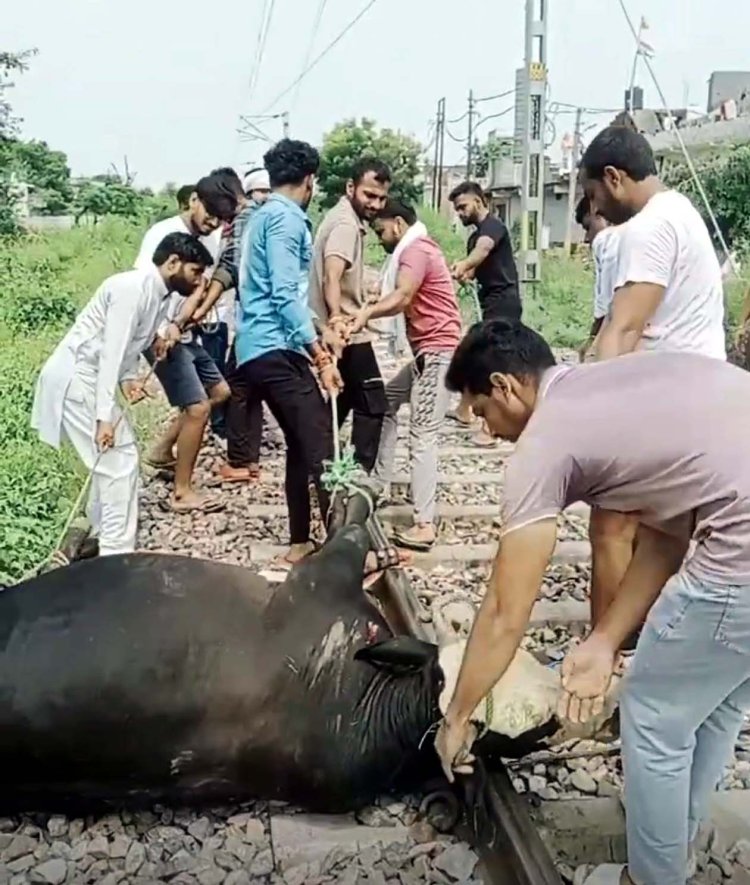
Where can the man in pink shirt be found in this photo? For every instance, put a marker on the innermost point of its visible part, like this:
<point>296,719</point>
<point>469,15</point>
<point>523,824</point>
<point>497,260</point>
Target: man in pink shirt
<point>424,293</point>
<point>665,438</point>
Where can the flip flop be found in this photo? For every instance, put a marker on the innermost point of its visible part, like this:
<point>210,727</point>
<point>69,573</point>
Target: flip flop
<point>418,546</point>
<point>207,504</point>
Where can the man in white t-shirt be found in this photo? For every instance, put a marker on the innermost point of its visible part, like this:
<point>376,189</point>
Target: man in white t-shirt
<point>668,295</point>
<point>190,378</point>
<point>602,237</point>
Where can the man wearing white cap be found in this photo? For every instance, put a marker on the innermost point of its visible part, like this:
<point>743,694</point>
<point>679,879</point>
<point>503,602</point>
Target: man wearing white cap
<point>244,414</point>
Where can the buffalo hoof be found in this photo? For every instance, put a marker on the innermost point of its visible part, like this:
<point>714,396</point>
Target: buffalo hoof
<point>441,810</point>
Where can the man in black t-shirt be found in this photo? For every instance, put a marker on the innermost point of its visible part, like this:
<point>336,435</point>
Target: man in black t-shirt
<point>490,262</point>
<point>490,255</point>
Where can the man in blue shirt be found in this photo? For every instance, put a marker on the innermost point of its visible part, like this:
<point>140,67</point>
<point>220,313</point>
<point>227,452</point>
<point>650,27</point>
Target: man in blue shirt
<point>276,342</point>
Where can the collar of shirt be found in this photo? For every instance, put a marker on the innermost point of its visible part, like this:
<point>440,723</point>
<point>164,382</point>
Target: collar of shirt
<point>290,206</point>
<point>162,289</point>
<point>346,204</point>
<point>551,376</point>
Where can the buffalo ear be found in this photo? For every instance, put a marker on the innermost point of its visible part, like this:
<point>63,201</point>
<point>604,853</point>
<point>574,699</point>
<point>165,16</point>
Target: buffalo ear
<point>401,654</point>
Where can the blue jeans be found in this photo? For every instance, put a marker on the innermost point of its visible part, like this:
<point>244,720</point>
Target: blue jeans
<point>216,343</point>
<point>682,707</point>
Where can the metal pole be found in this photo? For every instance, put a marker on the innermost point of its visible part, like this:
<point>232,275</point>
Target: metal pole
<point>437,155</point>
<point>635,64</point>
<point>441,154</point>
<point>573,181</point>
<point>470,135</point>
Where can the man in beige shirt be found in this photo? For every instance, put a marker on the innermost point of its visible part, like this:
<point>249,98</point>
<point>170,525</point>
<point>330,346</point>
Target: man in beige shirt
<point>665,438</point>
<point>336,296</point>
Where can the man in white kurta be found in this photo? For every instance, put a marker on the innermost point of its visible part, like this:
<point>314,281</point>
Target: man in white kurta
<point>75,397</point>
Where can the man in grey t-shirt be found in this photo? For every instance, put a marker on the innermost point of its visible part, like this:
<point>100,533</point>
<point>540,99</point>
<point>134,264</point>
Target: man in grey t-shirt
<point>664,437</point>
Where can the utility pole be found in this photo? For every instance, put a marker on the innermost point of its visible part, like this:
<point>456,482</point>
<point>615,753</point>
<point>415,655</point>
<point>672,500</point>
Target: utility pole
<point>573,181</point>
<point>285,124</point>
<point>441,157</point>
<point>533,84</point>
<point>437,165</point>
<point>470,137</point>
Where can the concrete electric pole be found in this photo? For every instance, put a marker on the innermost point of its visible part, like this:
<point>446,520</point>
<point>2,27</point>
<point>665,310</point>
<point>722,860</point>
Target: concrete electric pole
<point>531,85</point>
<point>437,166</point>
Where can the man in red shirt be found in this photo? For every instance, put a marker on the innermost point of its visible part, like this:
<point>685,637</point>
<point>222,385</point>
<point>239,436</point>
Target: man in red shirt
<point>418,284</point>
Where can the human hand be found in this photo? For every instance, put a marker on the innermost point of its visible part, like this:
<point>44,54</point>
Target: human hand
<point>460,272</point>
<point>357,323</point>
<point>335,336</point>
<point>133,391</point>
<point>105,435</point>
<point>330,380</point>
<point>586,675</point>
<point>453,743</point>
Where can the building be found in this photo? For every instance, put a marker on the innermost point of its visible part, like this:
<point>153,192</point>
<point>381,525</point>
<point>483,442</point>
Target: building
<point>727,85</point>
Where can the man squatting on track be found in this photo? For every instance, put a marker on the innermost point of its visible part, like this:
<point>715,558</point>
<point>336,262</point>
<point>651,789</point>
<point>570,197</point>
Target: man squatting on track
<point>665,435</point>
<point>491,263</point>
<point>667,296</point>
<point>337,299</point>
<point>418,284</point>
<point>189,376</point>
<point>276,340</point>
<point>75,391</point>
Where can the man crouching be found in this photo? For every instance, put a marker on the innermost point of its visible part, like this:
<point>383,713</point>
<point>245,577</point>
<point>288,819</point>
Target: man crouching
<point>76,389</point>
<point>664,436</point>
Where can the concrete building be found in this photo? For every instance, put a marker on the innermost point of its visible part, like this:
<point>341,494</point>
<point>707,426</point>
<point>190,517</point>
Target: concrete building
<point>727,85</point>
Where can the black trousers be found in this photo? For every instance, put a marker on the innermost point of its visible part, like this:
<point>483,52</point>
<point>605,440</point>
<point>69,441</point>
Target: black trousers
<point>215,343</point>
<point>284,381</point>
<point>496,306</point>
<point>364,396</point>
<point>244,417</point>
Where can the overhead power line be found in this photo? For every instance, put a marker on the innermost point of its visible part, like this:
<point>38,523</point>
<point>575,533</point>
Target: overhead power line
<point>265,26</point>
<point>310,44</point>
<point>322,54</point>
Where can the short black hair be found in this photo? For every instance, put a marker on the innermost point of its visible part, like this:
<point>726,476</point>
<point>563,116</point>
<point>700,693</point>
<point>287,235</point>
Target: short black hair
<point>623,148</point>
<point>186,247</point>
<point>289,162</point>
<point>230,178</point>
<point>582,210</point>
<point>380,170</point>
<point>218,198</point>
<point>466,187</point>
<point>505,346</point>
<point>183,194</point>
<point>397,209</point>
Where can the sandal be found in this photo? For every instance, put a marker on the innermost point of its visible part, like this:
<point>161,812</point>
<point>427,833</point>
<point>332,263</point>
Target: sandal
<point>283,563</point>
<point>227,473</point>
<point>207,504</point>
<point>403,540</point>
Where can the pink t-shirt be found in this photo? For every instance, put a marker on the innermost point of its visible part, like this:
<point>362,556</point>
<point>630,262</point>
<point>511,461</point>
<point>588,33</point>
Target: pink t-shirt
<point>664,435</point>
<point>433,322</point>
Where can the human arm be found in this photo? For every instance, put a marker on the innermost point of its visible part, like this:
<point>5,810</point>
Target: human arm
<point>120,322</point>
<point>646,255</point>
<point>412,270</point>
<point>493,233</point>
<point>284,237</point>
<point>596,325</point>
<point>587,670</point>
<point>500,624</point>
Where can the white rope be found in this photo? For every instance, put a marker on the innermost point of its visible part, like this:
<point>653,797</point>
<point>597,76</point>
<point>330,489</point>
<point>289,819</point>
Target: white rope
<point>678,134</point>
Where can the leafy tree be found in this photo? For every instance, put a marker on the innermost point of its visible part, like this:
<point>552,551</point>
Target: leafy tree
<point>493,149</point>
<point>10,63</point>
<point>98,198</point>
<point>46,171</point>
<point>349,141</point>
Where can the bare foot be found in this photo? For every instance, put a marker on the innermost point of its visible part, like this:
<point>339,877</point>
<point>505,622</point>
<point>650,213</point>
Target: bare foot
<point>294,554</point>
<point>227,473</point>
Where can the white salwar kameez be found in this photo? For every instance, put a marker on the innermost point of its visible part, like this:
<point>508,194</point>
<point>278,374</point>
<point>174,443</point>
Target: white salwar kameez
<point>77,388</point>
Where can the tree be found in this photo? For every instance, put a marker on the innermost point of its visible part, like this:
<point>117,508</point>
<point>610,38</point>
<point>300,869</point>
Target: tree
<point>10,63</point>
<point>349,141</point>
<point>484,155</point>
<point>107,197</point>
<point>45,171</point>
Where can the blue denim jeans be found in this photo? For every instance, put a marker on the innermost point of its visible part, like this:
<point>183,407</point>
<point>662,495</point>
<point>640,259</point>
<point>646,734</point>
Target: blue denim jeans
<point>216,343</point>
<point>682,707</point>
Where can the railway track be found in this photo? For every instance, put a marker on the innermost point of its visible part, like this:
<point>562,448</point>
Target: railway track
<point>516,840</point>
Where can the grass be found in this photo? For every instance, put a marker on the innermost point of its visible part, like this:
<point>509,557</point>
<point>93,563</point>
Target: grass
<point>45,279</point>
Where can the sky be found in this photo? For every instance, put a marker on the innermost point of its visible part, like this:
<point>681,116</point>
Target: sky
<point>164,81</point>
